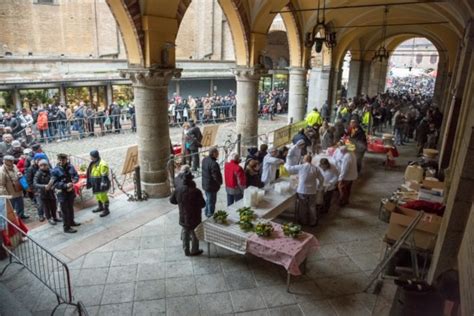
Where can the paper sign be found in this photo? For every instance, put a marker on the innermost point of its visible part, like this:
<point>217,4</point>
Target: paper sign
<point>131,160</point>
<point>209,135</point>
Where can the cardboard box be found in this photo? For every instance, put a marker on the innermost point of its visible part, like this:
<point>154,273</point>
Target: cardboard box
<point>430,195</point>
<point>433,185</point>
<point>425,232</point>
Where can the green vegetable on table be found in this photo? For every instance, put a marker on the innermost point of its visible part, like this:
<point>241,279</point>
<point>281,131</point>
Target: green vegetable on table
<point>291,230</point>
<point>220,217</point>
<point>246,216</point>
<point>263,229</point>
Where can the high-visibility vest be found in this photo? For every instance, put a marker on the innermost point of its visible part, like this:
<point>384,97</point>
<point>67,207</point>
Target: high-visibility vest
<point>314,118</point>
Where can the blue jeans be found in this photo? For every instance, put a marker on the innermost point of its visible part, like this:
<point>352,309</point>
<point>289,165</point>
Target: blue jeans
<point>211,198</point>
<point>18,205</point>
<point>231,198</point>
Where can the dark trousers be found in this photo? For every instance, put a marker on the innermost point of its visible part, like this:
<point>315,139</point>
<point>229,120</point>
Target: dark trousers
<point>232,198</point>
<point>194,159</point>
<point>50,208</point>
<point>344,192</point>
<point>360,158</point>
<point>67,210</point>
<point>188,235</point>
<point>327,198</point>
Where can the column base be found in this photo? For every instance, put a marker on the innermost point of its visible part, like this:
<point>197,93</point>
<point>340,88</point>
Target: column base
<point>156,190</point>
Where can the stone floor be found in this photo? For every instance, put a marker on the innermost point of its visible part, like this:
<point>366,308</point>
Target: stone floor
<point>131,263</point>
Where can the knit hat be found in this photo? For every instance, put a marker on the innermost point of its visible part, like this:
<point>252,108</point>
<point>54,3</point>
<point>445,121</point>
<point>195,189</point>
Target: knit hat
<point>16,144</point>
<point>43,162</point>
<point>40,156</point>
<point>9,157</point>
<point>62,156</point>
<point>94,154</point>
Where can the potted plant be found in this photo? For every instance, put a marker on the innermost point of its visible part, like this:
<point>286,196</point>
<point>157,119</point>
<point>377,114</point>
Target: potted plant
<point>220,217</point>
<point>291,230</point>
<point>246,216</point>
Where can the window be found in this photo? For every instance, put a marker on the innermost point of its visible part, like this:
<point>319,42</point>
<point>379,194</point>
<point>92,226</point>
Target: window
<point>44,1</point>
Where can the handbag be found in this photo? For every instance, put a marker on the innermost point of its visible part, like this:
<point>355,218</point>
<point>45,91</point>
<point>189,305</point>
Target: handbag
<point>23,183</point>
<point>108,121</point>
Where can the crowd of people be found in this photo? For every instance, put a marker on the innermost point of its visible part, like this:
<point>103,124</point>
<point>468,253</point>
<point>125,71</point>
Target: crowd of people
<point>26,172</point>
<point>218,108</point>
<point>408,114</point>
<point>45,123</point>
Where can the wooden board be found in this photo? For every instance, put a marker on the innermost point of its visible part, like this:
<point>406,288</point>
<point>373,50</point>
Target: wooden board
<point>131,160</point>
<point>209,135</point>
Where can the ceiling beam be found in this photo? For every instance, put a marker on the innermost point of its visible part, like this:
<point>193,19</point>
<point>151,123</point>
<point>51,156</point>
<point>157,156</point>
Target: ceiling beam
<point>362,6</point>
<point>389,24</point>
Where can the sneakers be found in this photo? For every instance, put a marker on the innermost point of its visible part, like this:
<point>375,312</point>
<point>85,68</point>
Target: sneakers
<point>42,218</point>
<point>52,221</point>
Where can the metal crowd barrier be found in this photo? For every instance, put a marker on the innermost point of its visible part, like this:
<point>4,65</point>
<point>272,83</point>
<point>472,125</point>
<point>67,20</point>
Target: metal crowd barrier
<point>45,266</point>
<point>202,116</point>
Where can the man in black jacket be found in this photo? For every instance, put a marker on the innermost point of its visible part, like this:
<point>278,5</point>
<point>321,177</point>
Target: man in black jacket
<point>193,143</point>
<point>190,202</point>
<point>211,180</point>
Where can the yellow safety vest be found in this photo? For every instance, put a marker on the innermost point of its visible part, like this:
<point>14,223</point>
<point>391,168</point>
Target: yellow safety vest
<point>314,118</point>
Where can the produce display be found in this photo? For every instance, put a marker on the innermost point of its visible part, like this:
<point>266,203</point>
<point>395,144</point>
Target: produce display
<point>264,229</point>
<point>220,217</point>
<point>246,216</point>
<point>291,230</point>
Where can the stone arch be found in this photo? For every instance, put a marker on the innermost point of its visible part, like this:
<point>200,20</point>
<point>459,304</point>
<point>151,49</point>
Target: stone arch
<point>293,33</point>
<point>128,17</point>
<point>238,30</point>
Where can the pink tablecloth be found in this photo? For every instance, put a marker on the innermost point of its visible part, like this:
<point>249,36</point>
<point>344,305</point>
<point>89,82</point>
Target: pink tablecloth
<point>285,251</point>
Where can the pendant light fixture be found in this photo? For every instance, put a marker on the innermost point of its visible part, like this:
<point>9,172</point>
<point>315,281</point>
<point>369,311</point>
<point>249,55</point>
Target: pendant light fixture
<point>381,53</point>
<point>321,33</point>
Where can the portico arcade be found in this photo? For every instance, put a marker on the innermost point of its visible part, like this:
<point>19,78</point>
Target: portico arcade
<point>149,30</point>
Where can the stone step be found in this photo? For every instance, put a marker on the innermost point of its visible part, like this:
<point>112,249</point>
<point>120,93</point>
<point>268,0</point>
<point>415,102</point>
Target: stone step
<point>9,305</point>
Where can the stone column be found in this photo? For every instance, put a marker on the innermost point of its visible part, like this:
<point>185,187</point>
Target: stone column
<point>151,106</point>
<point>318,87</point>
<point>297,94</point>
<point>109,92</point>
<point>16,99</point>
<point>365,77</point>
<point>378,74</point>
<point>354,75</point>
<point>440,85</point>
<point>62,95</point>
<point>247,103</point>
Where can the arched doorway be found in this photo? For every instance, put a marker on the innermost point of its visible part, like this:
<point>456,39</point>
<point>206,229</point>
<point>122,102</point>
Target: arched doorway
<point>413,65</point>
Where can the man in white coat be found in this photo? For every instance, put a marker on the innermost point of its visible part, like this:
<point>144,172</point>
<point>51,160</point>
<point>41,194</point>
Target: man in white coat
<point>310,180</point>
<point>294,154</point>
<point>270,166</point>
<point>331,177</point>
<point>347,174</point>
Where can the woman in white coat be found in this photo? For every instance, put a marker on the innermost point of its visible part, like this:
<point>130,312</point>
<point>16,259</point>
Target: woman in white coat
<point>310,180</point>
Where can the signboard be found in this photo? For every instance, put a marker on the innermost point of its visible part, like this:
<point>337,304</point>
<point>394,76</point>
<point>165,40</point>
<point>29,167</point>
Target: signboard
<point>209,135</point>
<point>295,128</point>
<point>131,160</point>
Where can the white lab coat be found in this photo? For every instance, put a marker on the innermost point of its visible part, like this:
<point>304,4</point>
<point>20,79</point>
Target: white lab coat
<point>331,177</point>
<point>294,156</point>
<point>348,170</point>
<point>338,158</point>
<point>310,179</point>
<point>269,168</point>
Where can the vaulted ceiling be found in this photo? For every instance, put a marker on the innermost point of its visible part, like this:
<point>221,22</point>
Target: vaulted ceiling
<point>148,26</point>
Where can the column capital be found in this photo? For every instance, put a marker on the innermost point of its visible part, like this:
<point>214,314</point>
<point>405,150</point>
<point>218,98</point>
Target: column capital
<point>297,70</point>
<point>152,76</point>
<point>249,73</point>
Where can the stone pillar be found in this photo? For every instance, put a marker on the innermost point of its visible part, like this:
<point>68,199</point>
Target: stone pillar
<point>378,74</point>
<point>16,99</point>
<point>354,76</point>
<point>62,95</point>
<point>109,92</point>
<point>318,87</point>
<point>150,88</point>
<point>365,77</point>
<point>297,93</point>
<point>334,86</point>
<point>247,103</point>
<point>440,85</point>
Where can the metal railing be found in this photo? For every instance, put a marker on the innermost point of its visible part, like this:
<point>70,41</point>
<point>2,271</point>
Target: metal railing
<point>215,114</point>
<point>45,266</point>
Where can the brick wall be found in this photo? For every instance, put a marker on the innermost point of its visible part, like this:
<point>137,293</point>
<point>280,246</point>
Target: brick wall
<point>73,28</point>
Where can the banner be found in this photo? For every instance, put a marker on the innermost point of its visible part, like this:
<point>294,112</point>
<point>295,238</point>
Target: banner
<point>284,135</point>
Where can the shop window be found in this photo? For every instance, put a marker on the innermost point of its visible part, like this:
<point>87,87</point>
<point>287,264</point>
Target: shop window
<point>45,2</point>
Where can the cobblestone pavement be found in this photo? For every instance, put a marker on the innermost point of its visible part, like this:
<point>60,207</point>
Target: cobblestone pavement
<point>113,147</point>
<point>144,270</point>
